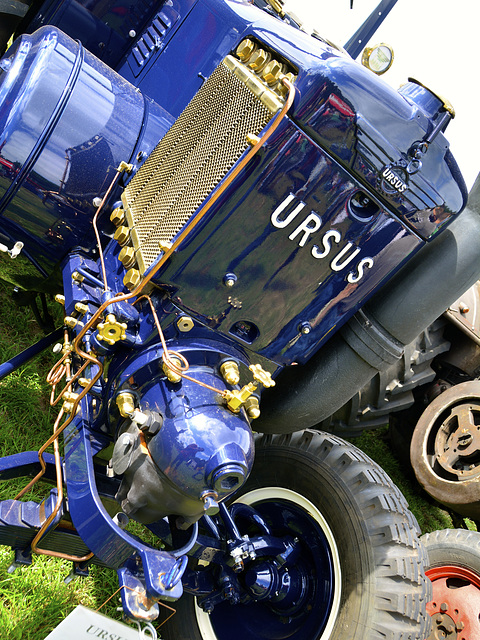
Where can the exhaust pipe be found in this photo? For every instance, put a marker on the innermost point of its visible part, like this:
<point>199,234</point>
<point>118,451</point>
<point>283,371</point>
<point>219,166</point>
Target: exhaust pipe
<point>376,336</point>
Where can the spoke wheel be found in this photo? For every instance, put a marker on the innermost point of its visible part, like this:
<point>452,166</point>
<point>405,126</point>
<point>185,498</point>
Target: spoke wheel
<point>361,564</point>
<point>454,559</point>
<point>445,448</point>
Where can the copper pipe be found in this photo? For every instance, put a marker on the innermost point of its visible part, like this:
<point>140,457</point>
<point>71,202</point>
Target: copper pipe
<point>59,501</point>
<point>271,128</point>
<point>273,125</point>
<point>172,365</point>
<point>120,169</point>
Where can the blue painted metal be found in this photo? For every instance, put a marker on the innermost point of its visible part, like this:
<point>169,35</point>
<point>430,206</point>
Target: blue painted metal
<point>362,35</point>
<point>276,586</point>
<point>24,464</point>
<point>96,527</point>
<point>66,121</point>
<point>22,358</point>
<point>103,27</point>
<point>306,233</point>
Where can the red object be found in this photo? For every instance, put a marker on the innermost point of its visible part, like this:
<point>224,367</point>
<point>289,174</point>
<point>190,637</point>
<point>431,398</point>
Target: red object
<point>456,599</point>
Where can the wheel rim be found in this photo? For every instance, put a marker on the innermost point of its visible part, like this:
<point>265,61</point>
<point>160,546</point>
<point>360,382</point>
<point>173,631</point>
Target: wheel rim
<point>445,448</point>
<point>455,607</point>
<point>259,620</point>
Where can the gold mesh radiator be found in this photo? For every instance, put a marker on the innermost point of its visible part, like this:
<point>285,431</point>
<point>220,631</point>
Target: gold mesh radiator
<point>192,158</point>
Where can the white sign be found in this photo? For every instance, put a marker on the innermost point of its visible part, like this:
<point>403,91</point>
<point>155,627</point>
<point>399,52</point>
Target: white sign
<point>85,624</point>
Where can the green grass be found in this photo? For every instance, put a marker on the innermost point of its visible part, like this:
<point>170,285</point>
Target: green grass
<point>35,599</point>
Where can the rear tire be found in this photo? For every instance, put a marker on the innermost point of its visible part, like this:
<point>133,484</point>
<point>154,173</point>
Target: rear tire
<point>382,589</point>
<point>454,569</point>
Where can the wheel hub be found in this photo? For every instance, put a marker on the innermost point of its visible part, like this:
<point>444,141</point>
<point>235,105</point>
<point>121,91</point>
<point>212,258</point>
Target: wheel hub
<point>455,608</point>
<point>445,448</point>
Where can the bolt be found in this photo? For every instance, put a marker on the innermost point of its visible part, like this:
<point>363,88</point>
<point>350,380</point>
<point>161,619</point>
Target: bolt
<point>444,607</point>
<point>97,202</point>
<point>305,328</point>
<point>126,440</point>
<point>460,626</point>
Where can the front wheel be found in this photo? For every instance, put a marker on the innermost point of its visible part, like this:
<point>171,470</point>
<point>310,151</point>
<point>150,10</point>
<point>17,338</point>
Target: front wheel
<point>360,571</point>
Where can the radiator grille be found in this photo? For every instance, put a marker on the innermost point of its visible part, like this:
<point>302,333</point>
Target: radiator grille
<point>196,153</point>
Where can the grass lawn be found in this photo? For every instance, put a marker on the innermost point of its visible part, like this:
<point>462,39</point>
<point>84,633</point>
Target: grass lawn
<point>35,599</point>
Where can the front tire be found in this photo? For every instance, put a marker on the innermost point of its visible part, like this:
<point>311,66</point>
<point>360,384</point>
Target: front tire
<point>377,561</point>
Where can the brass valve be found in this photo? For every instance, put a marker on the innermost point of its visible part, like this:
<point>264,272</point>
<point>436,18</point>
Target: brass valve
<point>261,376</point>
<point>237,398</point>
<point>111,331</point>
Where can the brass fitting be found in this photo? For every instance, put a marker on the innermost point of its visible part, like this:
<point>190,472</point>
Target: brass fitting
<point>111,331</point>
<point>77,277</point>
<point>132,278</point>
<point>230,372</point>
<point>272,72</point>
<point>125,403</point>
<point>172,376</point>
<point>165,245</point>
<point>127,257</point>
<point>252,139</point>
<point>69,401</point>
<point>117,216</point>
<point>185,324</point>
<point>258,59</point>
<point>245,49</point>
<point>121,235</point>
<point>237,398</point>
<point>84,382</point>
<point>71,323</point>
<point>252,407</point>
<point>60,299</point>
<point>81,308</point>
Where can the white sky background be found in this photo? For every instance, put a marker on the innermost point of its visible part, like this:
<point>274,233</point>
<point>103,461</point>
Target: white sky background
<point>434,41</point>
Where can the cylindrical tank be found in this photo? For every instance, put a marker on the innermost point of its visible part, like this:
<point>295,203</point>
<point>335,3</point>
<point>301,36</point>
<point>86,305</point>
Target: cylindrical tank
<point>66,122</point>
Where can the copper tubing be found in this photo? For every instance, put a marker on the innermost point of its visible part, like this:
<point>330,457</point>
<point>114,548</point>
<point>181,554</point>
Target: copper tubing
<point>120,169</point>
<point>271,128</point>
<point>172,365</point>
